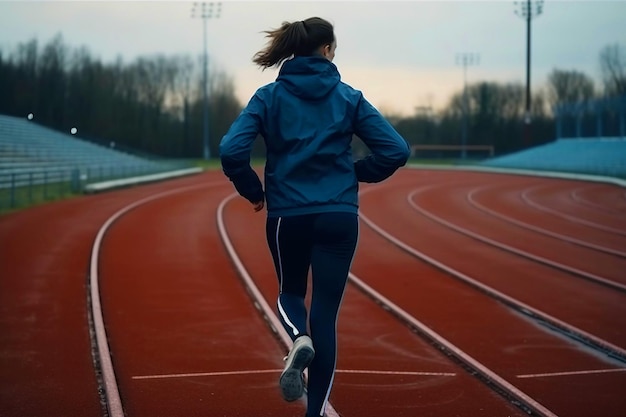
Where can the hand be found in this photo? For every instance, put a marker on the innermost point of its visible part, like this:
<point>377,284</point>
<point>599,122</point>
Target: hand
<point>258,206</point>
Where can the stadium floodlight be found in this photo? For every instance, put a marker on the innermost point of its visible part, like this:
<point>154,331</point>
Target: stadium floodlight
<point>528,10</point>
<point>465,59</point>
<point>206,11</point>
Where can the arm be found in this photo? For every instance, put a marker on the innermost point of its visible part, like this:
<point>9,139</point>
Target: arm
<point>389,150</point>
<point>235,150</point>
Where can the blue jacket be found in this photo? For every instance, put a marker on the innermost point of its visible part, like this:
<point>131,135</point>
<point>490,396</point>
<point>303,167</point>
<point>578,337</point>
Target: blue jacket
<point>307,118</point>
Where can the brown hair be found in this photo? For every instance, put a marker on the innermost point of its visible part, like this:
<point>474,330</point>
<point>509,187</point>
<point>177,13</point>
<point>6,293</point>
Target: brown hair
<point>300,38</point>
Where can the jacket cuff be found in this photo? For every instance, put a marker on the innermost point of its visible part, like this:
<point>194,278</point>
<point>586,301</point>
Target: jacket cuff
<point>249,186</point>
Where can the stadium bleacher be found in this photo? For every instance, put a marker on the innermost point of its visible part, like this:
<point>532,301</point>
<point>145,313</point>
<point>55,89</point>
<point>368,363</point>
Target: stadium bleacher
<point>29,148</point>
<point>591,156</point>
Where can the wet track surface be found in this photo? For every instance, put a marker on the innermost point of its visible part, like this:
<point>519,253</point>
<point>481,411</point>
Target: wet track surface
<point>471,294</point>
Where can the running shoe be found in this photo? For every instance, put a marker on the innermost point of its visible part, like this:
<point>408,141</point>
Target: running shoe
<point>292,379</point>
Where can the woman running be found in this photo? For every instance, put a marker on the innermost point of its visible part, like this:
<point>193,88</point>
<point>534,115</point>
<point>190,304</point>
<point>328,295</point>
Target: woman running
<point>308,118</point>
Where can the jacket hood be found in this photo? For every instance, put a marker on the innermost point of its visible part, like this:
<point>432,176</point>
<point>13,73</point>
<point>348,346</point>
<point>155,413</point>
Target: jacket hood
<point>309,77</point>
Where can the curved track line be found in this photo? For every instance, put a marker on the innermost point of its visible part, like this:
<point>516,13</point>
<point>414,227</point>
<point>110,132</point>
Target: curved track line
<point>526,198</point>
<point>568,329</point>
<point>487,375</point>
<point>509,389</point>
<point>500,245</point>
<point>575,195</point>
<point>278,371</point>
<point>255,293</point>
<point>111,390</point>
<point>203,374</point>
<point>588,372</point>
<point>473,202</point>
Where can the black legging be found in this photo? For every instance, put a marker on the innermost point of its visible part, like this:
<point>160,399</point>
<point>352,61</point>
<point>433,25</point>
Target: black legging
<point>326,242</point>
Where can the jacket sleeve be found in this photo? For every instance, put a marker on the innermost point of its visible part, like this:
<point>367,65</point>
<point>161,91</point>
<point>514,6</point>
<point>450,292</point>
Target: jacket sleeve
<point>389,150</point>
<point>235,148</point>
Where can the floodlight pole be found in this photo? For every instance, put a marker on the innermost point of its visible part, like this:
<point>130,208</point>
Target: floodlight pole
<point>205,11</point>
<point>527,10</point>
<point>465,59</point>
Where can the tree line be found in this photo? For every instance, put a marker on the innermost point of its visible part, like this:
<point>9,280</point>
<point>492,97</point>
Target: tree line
<point>495,111</point>
<point>153,104</point>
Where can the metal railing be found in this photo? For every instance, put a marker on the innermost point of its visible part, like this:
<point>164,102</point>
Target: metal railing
<point>23,188</point>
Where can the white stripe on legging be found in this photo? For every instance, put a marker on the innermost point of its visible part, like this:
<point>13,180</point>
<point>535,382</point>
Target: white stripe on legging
<point>281,310</point>
<point>294,330</point>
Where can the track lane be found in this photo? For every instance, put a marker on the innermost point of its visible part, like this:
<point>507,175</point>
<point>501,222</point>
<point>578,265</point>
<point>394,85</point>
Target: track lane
<point>484,198</point>
<point>604,198</point>
<point>473,221</point>
<point>589,306</point>
<point>58,384</point>
<point>508,342</point>
<point>46,364</point>
<point>46,367</point>
<point>543,198</point>
<point>185,338</point>
<point>383,368</point>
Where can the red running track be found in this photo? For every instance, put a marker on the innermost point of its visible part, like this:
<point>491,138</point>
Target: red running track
<point>471,265</point>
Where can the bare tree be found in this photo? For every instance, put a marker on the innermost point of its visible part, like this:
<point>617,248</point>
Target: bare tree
<point>18,81</point>
<point>540,103</point>
<point>569,86</point>
<point>152,104</point>
<point>490,101</point>
<point>613,67</point>
<point>495,114</point>
<point>223,103</point>
<point>181,84</point>
<point>152,80</point>
<point>182,96</point>
<point>52,83</point>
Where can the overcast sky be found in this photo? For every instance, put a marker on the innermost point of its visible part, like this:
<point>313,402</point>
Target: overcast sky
<point>400,54</point>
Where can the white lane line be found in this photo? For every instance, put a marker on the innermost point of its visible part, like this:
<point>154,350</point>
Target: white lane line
<point>492,292</point>
<point>453,349</point>
<point>593,371</point>
<point>526,196</point>
<point>577,197</point>
<point>114,402</point>
<point>276,371</point>
<point>256,294</point>
<point>471,198</point>
<point>498,244</point>
<point>409,373</point>
<point>201,374</point>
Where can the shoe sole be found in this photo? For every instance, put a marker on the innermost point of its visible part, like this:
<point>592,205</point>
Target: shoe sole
<point>292,380</point>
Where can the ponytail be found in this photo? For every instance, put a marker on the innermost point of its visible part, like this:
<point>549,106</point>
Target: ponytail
<point>301,38</point>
